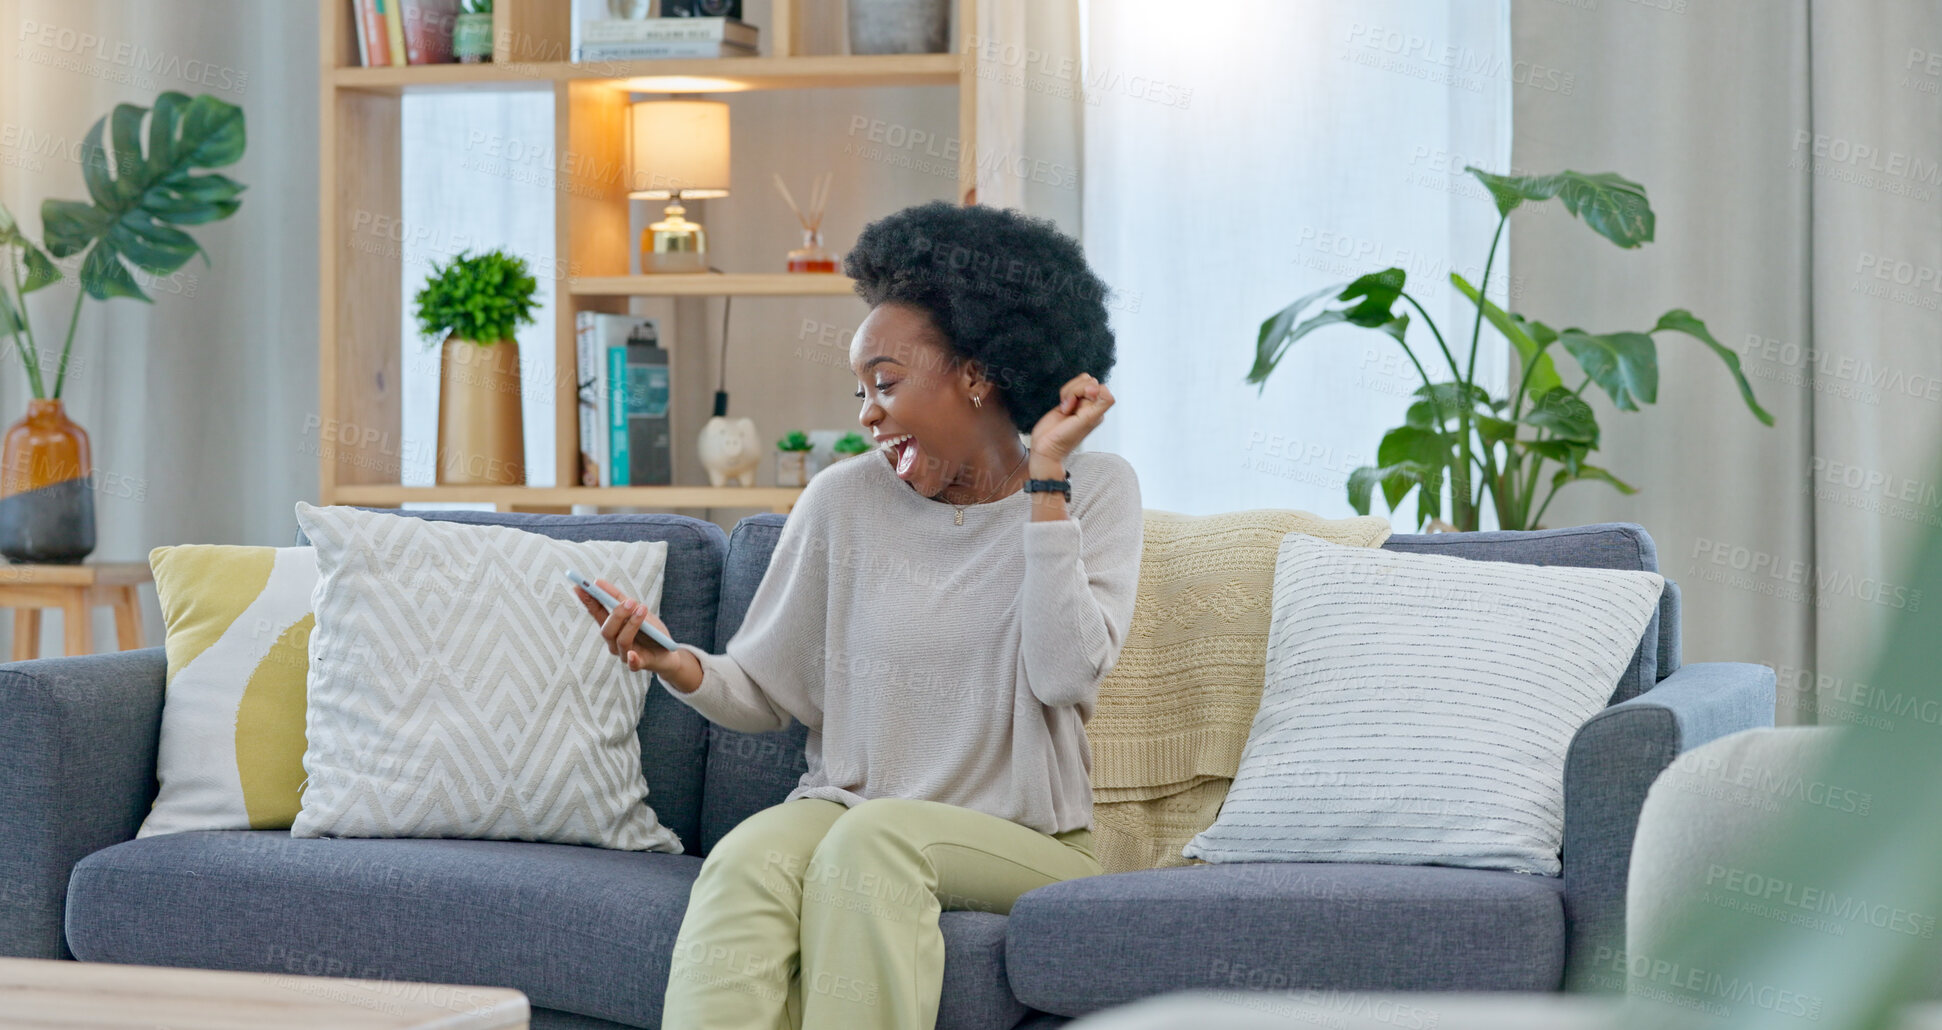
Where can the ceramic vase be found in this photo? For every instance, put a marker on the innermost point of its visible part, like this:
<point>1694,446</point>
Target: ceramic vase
<point>46,487</point>
<point>481,435</point>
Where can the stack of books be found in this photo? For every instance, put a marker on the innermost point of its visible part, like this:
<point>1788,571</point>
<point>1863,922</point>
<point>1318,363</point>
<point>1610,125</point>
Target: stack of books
<point>625,423</point>
<point>400,32</point>
<point>643,39</point>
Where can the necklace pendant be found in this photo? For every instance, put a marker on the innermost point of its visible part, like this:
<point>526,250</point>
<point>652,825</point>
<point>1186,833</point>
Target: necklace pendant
<point>958,520</point>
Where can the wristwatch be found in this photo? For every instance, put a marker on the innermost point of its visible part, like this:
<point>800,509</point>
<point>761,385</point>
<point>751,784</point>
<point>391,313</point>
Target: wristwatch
<point>1063,486</point>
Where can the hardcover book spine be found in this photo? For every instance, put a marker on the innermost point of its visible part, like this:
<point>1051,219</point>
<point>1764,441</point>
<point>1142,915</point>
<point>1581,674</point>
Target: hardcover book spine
<point>363,40</point>
<point>377,37</point>
<point>617,414</point>
<point>394,30</point>
<point>593,402</point>
<point>650,450</point>
<point>658,51</point>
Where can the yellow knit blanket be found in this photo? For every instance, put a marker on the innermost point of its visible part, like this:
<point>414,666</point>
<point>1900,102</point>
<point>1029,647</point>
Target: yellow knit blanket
<point>1174,713</point>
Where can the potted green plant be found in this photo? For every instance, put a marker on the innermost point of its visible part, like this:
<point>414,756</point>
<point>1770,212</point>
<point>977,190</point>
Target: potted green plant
<point>475,304</point>
<point>848,445</point>
<point>1456,428</point>
<point>142,191</point>
<point>792,459</point>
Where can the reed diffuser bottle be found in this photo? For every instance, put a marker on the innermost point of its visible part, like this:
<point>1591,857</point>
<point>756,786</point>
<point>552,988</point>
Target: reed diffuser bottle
<point>810,257</point>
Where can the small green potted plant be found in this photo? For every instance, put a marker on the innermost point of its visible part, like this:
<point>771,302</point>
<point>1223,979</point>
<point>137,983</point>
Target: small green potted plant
<point>848,446</point>
<point>474,304</point>
<point>792,459</point>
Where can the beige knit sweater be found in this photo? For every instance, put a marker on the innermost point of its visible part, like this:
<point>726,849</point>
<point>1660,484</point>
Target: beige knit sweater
<point>1175,711</point>
<point>935,661</point>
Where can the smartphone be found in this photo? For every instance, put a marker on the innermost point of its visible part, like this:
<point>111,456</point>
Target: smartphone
<point>648,629</point>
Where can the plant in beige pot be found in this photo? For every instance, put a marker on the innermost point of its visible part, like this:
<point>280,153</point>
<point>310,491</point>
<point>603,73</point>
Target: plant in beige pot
<point>792,459</point>
<point>474,304</point>
<point>142,191</point>
<point>849,445</point>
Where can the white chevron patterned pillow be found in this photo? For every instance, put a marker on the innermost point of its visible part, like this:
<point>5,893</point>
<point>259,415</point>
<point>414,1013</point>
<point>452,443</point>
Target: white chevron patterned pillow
<point>458,689</point>
<point>1418,707</point>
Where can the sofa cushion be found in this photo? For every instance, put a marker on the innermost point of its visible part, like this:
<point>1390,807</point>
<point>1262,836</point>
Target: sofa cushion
<point>585,932</point>
<point>580,929</point>
<point>672,735</point>
<point>1081,945</point>
<point>746,772</point>
<point>1604,545</point>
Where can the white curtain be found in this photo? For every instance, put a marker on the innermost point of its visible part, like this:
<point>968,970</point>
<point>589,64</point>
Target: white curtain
<point>1230,171</point>
<point>195,404</point>
<point>1790,151</point>
<point>1030,108</point>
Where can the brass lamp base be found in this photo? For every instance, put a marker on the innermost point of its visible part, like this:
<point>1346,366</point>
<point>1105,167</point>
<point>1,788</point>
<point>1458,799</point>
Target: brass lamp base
<point>674,244</point>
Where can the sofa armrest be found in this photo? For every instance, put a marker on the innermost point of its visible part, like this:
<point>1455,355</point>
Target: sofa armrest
<point>1611,764</point>
<point>77,774</point>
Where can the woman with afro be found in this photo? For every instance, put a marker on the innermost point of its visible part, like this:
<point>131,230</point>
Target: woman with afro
<point>939,629</point>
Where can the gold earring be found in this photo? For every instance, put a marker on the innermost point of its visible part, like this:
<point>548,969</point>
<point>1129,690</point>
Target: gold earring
<point>977,401</point>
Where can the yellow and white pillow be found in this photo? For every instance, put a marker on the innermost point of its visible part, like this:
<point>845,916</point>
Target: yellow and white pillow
<point>238,623</point>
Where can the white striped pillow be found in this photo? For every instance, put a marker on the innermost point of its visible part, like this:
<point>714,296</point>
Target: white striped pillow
<point>1417,707</point>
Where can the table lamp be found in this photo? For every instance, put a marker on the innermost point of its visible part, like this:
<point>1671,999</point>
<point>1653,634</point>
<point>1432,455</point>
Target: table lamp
<point>677,149</point>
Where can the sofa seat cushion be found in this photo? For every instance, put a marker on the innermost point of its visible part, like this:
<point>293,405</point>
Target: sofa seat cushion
<point>1078,946</point>
<point>583,931</point>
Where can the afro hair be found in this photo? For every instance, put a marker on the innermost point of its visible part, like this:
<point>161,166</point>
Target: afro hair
<point>1006,290</point>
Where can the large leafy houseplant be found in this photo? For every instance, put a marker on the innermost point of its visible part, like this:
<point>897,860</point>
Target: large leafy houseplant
<point>1495,450</point>
<point>142,189</point>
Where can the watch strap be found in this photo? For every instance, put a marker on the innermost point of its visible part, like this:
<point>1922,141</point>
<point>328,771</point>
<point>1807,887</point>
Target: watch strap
<point>1061,485</point>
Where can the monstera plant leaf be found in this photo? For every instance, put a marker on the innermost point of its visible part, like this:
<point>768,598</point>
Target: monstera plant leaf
<point>1613,206</point>
<point>34,263</point>
<point>143,195</point>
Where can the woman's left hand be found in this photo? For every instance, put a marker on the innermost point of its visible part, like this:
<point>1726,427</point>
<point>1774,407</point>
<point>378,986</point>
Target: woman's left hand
<point>1082,404</point>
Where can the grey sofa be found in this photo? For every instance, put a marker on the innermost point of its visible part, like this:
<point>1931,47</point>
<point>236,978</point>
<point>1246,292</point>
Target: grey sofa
<point>588,933</point>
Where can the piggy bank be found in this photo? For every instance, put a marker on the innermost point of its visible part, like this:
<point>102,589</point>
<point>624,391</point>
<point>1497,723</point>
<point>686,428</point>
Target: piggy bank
<point>729,450</point>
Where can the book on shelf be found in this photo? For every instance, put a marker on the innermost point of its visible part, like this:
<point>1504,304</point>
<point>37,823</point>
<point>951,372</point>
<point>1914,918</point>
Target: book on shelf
<point>667,30</point>
<point>373,35</point>
<point>428,30</point>
<point>626,432</point>
<point>592,366</point>
<point>394,30</point>
<point>659,51</point>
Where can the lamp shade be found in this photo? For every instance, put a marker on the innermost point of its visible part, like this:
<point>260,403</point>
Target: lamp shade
<point>677,145</point>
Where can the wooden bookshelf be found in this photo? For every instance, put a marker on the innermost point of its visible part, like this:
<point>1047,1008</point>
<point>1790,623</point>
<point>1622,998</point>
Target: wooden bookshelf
<point>777,285</point>
<point>725,75</point>
<point>361,295</point>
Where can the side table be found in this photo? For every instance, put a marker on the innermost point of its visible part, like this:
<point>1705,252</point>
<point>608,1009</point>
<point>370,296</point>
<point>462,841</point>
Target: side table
<point>76,590</point>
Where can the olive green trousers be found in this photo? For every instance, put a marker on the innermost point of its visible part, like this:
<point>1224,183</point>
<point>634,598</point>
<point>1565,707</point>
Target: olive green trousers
<point>815,916</point>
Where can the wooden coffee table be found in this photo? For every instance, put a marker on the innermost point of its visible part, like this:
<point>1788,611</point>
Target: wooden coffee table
<point>44,995</point>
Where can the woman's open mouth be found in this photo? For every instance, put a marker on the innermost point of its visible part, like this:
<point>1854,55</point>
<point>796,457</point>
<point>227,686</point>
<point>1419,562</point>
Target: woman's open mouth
<point>903,453</point>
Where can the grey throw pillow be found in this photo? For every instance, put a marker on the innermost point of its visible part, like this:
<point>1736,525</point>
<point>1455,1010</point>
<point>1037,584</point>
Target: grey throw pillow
<point>1418,707</point>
